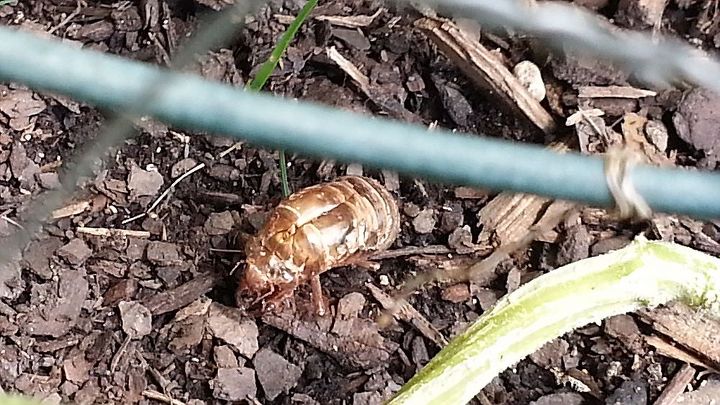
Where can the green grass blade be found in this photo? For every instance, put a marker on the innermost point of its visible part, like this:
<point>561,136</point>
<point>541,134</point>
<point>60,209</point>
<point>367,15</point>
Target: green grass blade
<point>643,274</point>
<point>283,175</point>
<point>258,82</point>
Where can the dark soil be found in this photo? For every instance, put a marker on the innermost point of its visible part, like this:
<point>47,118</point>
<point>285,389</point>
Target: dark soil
<point>128,319</point>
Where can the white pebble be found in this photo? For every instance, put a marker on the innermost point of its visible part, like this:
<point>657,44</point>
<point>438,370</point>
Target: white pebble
<point>529,75</point>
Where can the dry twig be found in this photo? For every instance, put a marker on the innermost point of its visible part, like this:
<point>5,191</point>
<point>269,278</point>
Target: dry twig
<point>108,232</point>
<point>159,396</point>
<point>613,92</point>
<point>667,349</point>
<point>690,329</point>
<point>676,386</point>
<point>353,21</point>
<point>481,66</point>
<point>402,309</point>
<point>388,104</point>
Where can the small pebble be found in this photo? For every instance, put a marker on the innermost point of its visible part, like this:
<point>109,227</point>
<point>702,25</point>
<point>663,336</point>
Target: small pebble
<point>529,75</point>
<point>182,167</point>
<point>456,293</point>
<point>424,222</point>
<point>48,181</point>
<point>136,319</point>
<point>75,252</point>
<point>354,169</point>
<point>234,384</point>
<point>451,220</point>
<point>411,210</point>
<point>275,374</point>
<point>144,182</point>
<point>219,223</point>
<point>163,253</point>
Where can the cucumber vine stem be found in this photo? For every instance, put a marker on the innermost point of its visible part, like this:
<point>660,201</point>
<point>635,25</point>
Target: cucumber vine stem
<point>641,275</point>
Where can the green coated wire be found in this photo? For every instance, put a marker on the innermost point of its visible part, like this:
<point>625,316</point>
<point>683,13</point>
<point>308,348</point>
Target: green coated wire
<point>268,67</point>
<point>194,103</point>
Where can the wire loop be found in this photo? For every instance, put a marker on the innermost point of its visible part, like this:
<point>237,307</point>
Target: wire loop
<point>628,202</point>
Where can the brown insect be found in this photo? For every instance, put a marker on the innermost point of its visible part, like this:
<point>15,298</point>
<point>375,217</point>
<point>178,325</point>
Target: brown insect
<point>314,230</point>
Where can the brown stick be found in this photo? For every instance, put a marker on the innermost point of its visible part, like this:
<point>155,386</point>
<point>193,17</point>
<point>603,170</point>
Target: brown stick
<point>182,295</point>
<point>481,66</point>
<point>676,386</point>
<point>411,251</point>
<point>689,328</point>
<point>402,309</point>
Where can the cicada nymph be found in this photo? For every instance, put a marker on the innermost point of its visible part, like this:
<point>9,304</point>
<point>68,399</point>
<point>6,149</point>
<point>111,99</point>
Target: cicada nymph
<point>321,227</point>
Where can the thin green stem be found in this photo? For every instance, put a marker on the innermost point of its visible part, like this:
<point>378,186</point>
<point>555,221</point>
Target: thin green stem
<point>643,274</point>
<point>283,175</point>
<point>258,82</point>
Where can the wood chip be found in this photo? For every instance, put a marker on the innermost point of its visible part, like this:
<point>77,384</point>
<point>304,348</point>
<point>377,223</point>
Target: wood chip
<point>359,77</point>
<point>284,18</point>
<point>182,295</point>
<point>363,348</point>
<point>700,334</point>
<point>392,107</point>
<point>444,270</point>
<point>678,353</point>
<point>354,21</point>
<point>676,386</point>
<point>481,66</point>
<point>470,193</point>
<point>633,129</point>
<point>404,311</point>
<point>507,218</point>
<point>70,210</point>
<point>613,92</point>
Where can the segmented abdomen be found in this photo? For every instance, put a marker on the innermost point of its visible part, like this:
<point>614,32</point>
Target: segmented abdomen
<point>323,226</point>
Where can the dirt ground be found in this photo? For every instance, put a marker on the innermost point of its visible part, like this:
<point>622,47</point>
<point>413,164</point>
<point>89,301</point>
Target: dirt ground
<point>149,316</point>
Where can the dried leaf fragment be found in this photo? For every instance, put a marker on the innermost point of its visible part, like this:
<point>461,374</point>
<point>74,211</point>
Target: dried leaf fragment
<point>354,21</point>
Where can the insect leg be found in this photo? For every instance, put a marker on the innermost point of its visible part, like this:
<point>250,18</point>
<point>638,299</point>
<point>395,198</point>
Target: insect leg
<point>280,295</point>
<point>318,299</point>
